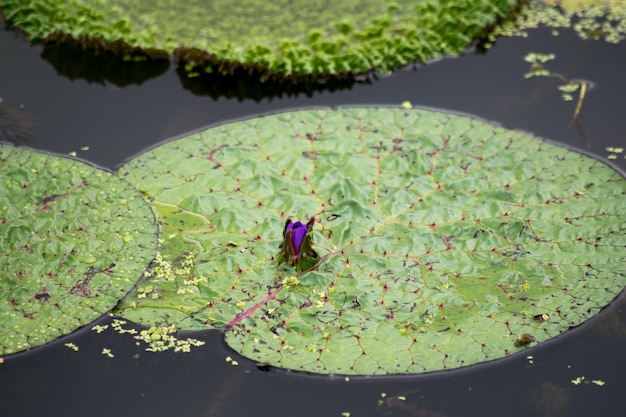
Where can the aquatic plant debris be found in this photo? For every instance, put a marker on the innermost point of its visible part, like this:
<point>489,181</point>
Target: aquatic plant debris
<point>591,19</point>
<point>281,39</point>
<point>72,346</point>
<point>614,152</point>
<point>107,352</point>
<point>73,241</point>
<point>155,338</point>
<point>442,240</point>
<point>537,69</point>
<point>581,380</point>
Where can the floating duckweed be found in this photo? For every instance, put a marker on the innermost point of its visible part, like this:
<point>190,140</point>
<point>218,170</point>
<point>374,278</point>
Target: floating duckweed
<point>143,292</point>
<point>180,271</point>
<point>567,89</point>
<point>117,326</point>
<point>195,281</point>
<point>162,268</point>
<point>578,380</point>
<point>107,352</point>
<point>160,339</point>
<point>596,21</point>
<point>290,282</point>
<point>404,327</point>
<point>537,70</point>
<point>99,329</point>
<point>157,338</point>
<point>72,346</point>
<point>231,361</point>
<point>614,152</point>
<point>534,57</point>
<point>598,382</point>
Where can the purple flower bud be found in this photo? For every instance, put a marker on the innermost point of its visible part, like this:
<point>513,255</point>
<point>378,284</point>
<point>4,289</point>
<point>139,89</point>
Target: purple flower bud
<point>298,231</point>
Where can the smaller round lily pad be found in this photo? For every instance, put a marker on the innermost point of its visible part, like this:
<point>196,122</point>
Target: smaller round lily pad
<point>74,240</point>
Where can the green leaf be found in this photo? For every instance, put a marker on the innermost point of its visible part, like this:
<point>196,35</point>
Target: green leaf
<point>443,241</point>
<point>75,240</point>
<point>281,38</point>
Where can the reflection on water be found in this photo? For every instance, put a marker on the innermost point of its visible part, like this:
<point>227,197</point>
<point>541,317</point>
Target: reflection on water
<point>549,400</point>
<point>243,85</point>
<point>101,66</point>
<point>98,66</point>
<point>17,126</point>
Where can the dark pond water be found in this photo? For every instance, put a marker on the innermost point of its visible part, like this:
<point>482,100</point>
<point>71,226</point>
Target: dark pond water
<point>60,101</point>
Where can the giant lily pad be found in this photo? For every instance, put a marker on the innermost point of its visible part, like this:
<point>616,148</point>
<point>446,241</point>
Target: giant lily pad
<point>442,241</point>
<point>74,240</point>
<point>278,38</point>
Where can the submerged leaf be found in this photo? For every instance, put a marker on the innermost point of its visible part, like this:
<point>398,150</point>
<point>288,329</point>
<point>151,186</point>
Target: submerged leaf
<point>443,241</point>
<point>73,241</point>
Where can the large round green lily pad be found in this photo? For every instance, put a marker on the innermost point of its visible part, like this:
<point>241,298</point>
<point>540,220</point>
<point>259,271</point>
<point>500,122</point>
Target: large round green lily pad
<point>73,241</point>
<point>284,38</point>
<point>442,240</point>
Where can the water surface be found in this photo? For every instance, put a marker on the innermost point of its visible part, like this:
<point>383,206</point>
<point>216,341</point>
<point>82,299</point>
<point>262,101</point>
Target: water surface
<point>117,110</point>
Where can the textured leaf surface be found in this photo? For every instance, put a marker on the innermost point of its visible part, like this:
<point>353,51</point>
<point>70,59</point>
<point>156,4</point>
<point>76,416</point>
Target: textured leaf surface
<point>73,241</point>
<point>281,37</point>
<point>445,241</point>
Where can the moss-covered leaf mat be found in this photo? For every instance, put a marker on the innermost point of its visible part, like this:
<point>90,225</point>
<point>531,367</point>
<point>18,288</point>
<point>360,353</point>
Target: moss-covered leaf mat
<point>281,38</point>
<point>439,240</point>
